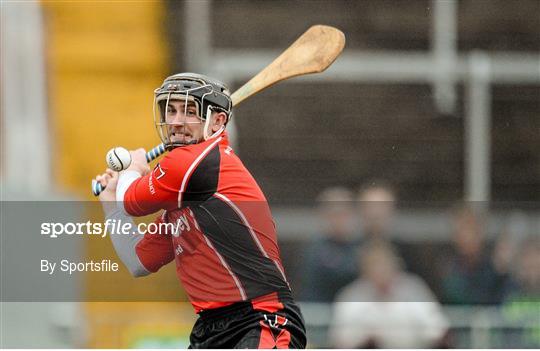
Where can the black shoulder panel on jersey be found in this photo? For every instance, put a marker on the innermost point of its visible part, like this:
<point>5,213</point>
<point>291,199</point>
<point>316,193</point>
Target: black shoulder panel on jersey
<point>204,181</point>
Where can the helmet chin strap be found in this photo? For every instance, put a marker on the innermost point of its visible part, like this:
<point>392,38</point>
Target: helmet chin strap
<point>206,130</point>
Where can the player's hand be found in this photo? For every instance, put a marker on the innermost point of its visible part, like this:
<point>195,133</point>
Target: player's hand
<point>108,180</point>
<point>138,162</point>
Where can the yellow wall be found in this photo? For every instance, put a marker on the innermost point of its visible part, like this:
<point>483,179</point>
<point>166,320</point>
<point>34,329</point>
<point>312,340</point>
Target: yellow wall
<point>104,60</point>
<point>129,325</point>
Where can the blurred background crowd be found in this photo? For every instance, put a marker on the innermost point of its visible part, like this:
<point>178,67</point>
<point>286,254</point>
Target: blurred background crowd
<point>388,292</point>
<point>404,180</point>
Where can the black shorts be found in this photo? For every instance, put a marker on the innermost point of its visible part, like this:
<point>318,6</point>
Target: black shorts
<point>240,326</point>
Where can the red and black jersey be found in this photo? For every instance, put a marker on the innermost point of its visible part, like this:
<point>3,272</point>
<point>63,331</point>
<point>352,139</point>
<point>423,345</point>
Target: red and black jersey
<point>225,243</point>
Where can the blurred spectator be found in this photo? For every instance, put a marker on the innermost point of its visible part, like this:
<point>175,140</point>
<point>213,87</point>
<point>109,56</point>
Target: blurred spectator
<point>525,283</point>
<point>469,273</point>
<point>387,307</point>
<point>522,303</point>
<point>509,241</point>
<point>331,259</point>
<point>504,253</point>
<point>377,208</point>
<point>377,204</point>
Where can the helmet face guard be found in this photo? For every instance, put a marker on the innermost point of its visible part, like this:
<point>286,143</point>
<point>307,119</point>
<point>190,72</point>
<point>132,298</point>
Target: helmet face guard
<point>205,94</point>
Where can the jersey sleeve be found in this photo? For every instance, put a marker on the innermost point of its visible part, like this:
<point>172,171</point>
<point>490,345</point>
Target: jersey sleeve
<point>155,250</point>
<point>158,189</point>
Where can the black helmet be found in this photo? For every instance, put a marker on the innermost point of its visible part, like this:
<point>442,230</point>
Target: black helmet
<point>209,95</point>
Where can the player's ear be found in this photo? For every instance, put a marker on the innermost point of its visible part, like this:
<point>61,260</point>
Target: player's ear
<point>219,120</point>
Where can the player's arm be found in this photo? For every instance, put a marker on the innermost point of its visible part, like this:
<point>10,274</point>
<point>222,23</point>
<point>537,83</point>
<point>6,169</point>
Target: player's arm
<point>125,244</point>
<point>141,253</point>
